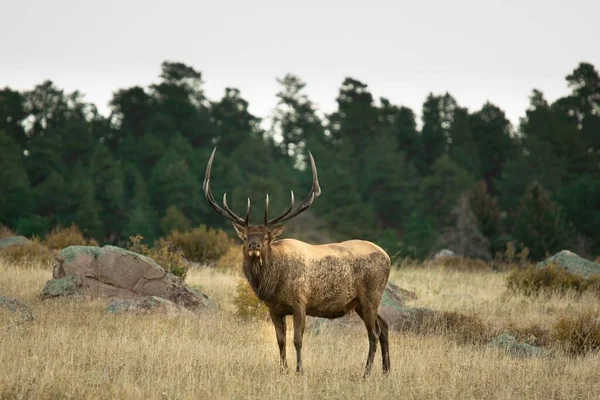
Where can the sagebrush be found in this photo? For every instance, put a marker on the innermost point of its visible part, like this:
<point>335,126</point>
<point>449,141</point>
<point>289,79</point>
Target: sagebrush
<point>32,251</point>
<point>578,334</point>
<point>552,279</point>
<point>247,305</point>
<point>59,238</point>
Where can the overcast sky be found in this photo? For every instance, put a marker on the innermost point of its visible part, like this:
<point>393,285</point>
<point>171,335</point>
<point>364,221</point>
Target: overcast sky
<point>476,50</point>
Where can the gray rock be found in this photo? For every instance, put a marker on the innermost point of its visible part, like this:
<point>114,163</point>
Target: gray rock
<point>444,253</point>
<point>13,241</point>
<point>512,346</point>
<point>572,263</point>
<point>14,311</point>
<point>146,305</point>
<point>66,286</point>
<point>112,272</point>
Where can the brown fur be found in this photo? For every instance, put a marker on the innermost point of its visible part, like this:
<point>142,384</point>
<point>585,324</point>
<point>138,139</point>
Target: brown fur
<point>295,278</point>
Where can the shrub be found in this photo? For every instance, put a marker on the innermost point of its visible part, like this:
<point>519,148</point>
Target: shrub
<point>578,334</point>
<point>231,260</point>
<point>247,305</point>
<point>534,334</point>
<point>202,244</point>
<point>30,252</point>
<point>60,238</point>
<point>5,232</point>
<point>164,253</point>
<point>533,281</point>
<point>511,257</point>
<point>461,327</point>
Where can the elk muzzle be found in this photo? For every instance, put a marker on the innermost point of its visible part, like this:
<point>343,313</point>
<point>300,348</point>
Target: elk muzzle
<point>254,250</point>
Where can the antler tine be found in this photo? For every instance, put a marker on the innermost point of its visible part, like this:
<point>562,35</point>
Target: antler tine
<point>307,202</point>
<point>247,219</point>
<point>316,187</point>
<point>211,200</point>
<point>267,209</point>
<point>232,214</point>
<point>285,213</point>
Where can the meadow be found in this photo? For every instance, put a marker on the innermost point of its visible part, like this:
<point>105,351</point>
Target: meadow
<point>74,349</point>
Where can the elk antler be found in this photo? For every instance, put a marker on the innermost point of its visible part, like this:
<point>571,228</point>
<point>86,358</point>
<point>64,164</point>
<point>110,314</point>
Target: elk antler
<point>227,213</point>
<point>307,202</point>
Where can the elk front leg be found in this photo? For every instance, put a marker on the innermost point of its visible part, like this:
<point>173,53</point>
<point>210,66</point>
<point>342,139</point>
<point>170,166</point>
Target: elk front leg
<point>299,323</point>
<point>279,323</point>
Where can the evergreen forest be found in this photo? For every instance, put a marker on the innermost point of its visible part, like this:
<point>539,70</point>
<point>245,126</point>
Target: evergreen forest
<point>413,181</point>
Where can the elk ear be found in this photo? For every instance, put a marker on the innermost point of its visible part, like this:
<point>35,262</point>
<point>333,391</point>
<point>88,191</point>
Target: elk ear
<point>277,231</point>
<point>240,230</point>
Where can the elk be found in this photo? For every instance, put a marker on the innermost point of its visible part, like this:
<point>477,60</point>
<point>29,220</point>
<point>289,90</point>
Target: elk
<point>295,278</point>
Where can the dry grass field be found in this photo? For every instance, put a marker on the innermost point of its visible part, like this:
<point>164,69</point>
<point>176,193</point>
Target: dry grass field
<point>75,350</point>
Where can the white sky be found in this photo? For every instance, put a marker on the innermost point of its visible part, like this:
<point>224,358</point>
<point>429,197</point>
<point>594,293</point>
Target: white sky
<point>476,50</point>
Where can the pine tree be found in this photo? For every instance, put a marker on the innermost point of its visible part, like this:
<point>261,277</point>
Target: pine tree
<point>580,200</point>
<point>295,117</point>
<point>84,208</point>
<point>485,209</point>
<point>443,188</point>
<point>109,191</point>
<point>141,218</point>
<point>174,220</point>
<point>464,236</point>
<point>420,236</point>
<point>540,223</point>
<point>16,200</point>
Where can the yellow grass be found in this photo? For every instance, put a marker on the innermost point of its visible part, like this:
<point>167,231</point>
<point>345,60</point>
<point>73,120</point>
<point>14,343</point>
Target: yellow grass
<point>75,350</point>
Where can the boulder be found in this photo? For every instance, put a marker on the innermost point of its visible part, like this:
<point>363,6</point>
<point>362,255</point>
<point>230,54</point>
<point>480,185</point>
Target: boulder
<point>573,263</point>
<point>14,311</point>
<point>13,241</point>
<point>112,272</point>
<point>512,346</point>
<point>146,305</point>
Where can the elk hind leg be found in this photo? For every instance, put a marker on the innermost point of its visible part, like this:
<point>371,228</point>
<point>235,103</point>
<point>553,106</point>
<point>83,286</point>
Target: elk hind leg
<point>369,317</point>
<point>384,342</point>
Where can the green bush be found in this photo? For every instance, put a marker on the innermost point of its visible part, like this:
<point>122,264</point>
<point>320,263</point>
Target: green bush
<point>174,220</point>
<point>202,244</point>
<point>532,281</point>
<point>578,334</point>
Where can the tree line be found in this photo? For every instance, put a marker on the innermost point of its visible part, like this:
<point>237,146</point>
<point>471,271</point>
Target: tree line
<point>461,179</point>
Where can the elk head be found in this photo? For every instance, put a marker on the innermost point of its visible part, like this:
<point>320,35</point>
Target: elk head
<point>257,238</point>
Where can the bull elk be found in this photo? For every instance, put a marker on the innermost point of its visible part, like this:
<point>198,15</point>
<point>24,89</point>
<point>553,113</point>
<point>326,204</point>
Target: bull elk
<point>295,278</point>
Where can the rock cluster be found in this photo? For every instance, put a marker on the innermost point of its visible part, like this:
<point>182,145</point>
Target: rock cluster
<point>112,272</point>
